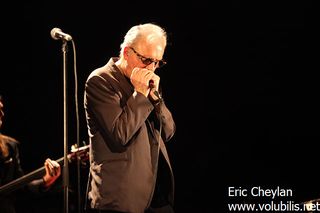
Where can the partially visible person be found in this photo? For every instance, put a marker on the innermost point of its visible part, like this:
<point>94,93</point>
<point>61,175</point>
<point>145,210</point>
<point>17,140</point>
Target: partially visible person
<point>128,123</point>
<point>10,170</point>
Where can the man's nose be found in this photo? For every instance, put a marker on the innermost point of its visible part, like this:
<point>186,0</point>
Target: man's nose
<point>153,66</point>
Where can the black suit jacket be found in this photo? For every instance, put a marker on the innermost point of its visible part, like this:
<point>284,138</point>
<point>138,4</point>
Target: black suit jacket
<point>125,144</point>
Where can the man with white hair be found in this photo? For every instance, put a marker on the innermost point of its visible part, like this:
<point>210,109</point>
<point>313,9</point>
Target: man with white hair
<point>128,125</point>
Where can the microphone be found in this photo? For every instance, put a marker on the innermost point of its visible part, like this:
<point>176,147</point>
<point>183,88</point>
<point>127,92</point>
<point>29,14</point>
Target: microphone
<point>151,84</point>
<point>154,90</point>
<point>56,33</point>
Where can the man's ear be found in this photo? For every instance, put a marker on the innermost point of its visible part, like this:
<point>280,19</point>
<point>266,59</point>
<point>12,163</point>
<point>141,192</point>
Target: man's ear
<point>126,52</point>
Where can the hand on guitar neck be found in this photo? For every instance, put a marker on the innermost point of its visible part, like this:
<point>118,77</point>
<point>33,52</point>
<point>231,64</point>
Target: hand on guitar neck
<point>49,172</point>
<point>53,171</point>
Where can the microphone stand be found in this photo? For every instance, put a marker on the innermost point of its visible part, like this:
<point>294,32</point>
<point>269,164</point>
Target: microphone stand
<point>65,130</point>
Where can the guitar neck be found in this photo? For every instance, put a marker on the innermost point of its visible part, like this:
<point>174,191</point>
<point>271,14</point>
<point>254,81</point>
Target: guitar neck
<point>25,179</point>
<point>77,153</point>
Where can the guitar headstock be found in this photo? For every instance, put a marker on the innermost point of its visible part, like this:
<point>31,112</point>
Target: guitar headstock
<point>79,153</point>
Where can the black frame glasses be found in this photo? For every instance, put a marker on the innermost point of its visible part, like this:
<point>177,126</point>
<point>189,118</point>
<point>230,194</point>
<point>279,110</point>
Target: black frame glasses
<point>147,61</point>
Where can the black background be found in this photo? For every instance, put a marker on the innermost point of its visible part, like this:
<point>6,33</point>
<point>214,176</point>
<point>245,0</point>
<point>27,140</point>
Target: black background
<point>241,82</point>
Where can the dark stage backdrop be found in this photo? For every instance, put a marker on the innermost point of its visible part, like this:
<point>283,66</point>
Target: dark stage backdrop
<point>240,81</point>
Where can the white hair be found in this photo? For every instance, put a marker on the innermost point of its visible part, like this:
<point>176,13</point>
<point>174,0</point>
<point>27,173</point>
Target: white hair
<point>142,31</point>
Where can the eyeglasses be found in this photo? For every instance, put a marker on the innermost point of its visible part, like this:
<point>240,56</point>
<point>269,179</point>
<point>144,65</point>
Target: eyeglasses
<point>147,61</point>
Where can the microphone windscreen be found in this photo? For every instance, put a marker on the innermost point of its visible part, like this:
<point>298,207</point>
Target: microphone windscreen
<point>53,33</point>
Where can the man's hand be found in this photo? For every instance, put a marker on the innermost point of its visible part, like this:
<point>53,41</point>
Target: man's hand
<point>140,79</point>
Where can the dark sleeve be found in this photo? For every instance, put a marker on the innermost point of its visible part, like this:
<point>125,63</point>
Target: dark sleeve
<point>12,170</point>
<point>18,172</point>
<point>107,113</point>
<point>167,122</point>
<point>37,186</point>
<point>34,186</point>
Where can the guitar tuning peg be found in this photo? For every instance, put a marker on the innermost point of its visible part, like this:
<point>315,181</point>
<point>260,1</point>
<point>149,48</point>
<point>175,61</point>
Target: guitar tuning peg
<point>74,147</point>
